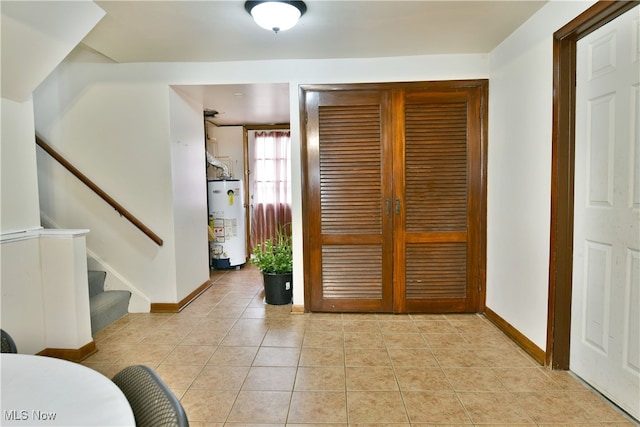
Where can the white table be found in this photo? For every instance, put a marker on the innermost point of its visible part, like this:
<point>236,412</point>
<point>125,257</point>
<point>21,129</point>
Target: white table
<point>44,391</point>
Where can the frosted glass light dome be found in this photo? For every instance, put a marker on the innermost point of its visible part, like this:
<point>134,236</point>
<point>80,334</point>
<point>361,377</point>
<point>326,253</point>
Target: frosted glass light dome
<point>276,15</point>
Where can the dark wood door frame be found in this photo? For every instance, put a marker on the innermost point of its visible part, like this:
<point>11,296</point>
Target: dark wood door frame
<point>562,173</point>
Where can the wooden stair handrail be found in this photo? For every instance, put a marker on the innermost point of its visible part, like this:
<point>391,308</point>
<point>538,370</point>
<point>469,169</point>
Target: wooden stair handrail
<point>100,192</point>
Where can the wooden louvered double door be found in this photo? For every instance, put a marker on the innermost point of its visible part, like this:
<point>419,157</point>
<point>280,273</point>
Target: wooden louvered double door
<point>395,197</point>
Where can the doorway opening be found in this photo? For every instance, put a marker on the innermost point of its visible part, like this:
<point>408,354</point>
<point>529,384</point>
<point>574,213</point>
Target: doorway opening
<point>561,272</point>
<point>268,159</point>
<point>562,173</point>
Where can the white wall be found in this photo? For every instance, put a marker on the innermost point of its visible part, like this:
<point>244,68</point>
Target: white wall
<point>19,207</point>
<point>36,36</point>
<point>189,186</point>
<point>519,180</point>
<point>228,147</point>
<point>119,136</point>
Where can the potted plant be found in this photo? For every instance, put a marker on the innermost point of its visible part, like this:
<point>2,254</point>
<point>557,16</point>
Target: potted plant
<point>274,258</point>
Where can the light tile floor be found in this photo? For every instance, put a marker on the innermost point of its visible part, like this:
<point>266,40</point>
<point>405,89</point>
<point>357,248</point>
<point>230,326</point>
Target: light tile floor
<point>235,361</point>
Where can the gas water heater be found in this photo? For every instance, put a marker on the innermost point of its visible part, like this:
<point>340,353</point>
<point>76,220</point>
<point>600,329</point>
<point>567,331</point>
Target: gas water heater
<point>226,218</point>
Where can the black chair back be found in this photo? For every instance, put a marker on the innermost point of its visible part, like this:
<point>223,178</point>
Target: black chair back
<point>153,403</point>
<point>8,345</point>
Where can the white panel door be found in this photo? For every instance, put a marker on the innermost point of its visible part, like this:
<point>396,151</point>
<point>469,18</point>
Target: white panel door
<point>605,325</point>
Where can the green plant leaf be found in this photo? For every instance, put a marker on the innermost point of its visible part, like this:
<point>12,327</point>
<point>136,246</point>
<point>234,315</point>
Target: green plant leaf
<point>275,255</point>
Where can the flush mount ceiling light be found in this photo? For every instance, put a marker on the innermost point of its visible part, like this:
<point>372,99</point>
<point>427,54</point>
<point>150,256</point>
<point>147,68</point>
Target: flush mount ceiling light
<point>276,15</point>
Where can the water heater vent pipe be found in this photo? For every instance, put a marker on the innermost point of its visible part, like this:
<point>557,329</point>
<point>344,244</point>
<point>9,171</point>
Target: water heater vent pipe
<point>218,164</point>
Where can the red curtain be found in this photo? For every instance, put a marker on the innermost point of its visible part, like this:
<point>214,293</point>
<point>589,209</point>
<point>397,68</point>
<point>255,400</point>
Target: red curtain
<point>270,181</point>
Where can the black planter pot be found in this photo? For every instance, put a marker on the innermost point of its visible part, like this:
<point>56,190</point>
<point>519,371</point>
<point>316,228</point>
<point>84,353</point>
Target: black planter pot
<point>278,288</point>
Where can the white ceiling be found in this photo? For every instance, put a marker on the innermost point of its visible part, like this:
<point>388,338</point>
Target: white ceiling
<point>246,104</point>
<point>185,31</point>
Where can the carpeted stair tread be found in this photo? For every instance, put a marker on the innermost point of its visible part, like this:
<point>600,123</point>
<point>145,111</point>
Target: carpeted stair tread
<point>105,306</point>
<point>96,282</point>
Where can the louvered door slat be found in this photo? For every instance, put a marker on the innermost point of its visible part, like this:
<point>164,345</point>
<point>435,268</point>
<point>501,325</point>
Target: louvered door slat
<point>436,167</point>
<point>436,270</point>
<point>350,186</point>
<point>352,272</point>
<point>350,176</point>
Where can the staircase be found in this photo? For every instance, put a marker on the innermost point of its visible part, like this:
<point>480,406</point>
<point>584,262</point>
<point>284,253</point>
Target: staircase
<point>106,306</point>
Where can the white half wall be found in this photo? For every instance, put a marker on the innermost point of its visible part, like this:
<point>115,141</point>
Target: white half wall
<point>45,297</point>
<point>67,314</point>
<point>22,300</point>
<point>519,179</point>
